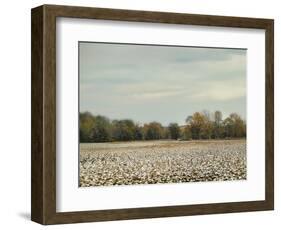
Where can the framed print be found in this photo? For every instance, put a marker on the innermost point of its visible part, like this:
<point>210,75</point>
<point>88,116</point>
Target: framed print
<point>139,114</point>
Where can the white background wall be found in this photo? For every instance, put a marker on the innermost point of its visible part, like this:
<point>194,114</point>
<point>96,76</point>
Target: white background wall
<point>15,114</point>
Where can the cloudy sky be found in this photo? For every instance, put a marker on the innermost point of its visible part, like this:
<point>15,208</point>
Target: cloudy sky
<point>160,83</point>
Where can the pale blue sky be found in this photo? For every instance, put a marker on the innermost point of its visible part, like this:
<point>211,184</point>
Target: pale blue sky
<point>160,83</point>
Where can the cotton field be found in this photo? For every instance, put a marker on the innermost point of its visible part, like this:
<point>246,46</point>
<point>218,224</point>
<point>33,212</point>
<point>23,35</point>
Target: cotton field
<point>153,162</point>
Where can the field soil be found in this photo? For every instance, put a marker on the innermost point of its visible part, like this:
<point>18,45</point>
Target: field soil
<point>153,162</point>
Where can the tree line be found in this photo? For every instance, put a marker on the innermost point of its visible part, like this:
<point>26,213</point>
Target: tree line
<point>200,125</point>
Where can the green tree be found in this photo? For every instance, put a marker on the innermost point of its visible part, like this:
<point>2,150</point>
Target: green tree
<point>138,135</point>
<point>123,130</point>
<point>101,131</point>
<point>174,131</point>
<point>218,129</point>
<point>218,117</point>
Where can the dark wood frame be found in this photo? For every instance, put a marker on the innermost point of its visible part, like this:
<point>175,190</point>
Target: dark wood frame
<point>43,170</point>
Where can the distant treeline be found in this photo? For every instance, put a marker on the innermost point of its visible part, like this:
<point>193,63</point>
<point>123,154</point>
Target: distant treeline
<point>201,125</point>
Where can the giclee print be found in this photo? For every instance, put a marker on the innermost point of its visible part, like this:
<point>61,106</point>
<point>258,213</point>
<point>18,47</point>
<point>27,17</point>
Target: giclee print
<point>151,114</point>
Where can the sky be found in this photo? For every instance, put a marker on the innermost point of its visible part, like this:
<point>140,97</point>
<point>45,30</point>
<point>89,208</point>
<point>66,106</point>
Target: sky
<point>160,83</point>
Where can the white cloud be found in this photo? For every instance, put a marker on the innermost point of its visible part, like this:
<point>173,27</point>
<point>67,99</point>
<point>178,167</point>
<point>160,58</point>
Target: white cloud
<point>219,94</point>
<point>156,95</point>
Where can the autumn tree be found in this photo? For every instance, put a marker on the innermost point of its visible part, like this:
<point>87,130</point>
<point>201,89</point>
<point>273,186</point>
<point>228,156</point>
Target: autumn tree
<point>153,131</point>
<point>86,126</point>
<point>234,126</point>
<point>186,133</point>
<point>208,125</point>
<point>200,126</point>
